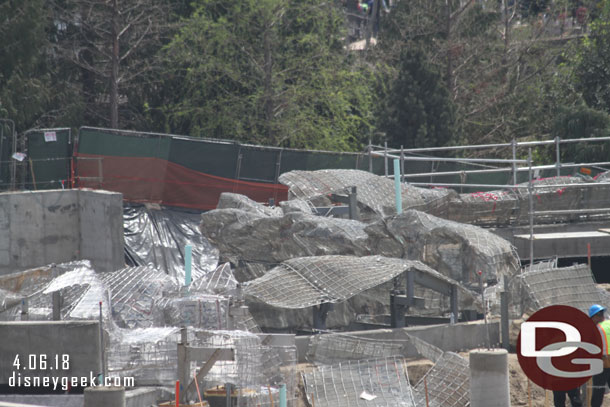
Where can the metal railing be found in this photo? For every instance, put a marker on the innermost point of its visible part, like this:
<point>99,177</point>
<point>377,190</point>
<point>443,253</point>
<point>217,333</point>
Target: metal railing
<point>404,156</point>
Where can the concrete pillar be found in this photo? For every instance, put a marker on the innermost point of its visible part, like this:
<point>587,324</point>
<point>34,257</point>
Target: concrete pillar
<point>105,396</point>
<point>489,378</point>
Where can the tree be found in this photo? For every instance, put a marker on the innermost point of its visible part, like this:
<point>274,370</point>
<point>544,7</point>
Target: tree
<point>267,71</point>
<point>592,74</point>
<point>110,46</point>
<point>418,111</point>
<point>33,89</point>
<point>496,64</point>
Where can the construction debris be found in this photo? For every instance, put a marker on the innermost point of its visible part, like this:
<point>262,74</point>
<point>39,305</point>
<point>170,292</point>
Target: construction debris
<point>342,384</point>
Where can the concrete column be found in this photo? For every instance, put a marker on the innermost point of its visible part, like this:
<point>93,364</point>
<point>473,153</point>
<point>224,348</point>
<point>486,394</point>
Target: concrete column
<point>105,397</point>
<point>489,378</point>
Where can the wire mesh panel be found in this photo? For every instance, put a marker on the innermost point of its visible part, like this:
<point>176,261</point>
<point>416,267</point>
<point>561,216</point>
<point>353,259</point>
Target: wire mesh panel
<point>137,295</point>
<point>308,281</point>
<point>150,355</point>
<point>384,381</point>
<point>447,384</point>
<point>487,208</point>
<point>334,348</point>
<point>373,191</point>
<point>454,249</point>
<point>573,286</point>
<point>257,372</point>
<point>425,349</point>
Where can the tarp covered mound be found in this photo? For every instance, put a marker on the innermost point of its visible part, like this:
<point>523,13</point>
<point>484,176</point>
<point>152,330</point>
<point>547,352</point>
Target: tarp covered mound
<point>375,193</point>
<point>243,236</point>
<point>456,250</point>
<point>156,237</point>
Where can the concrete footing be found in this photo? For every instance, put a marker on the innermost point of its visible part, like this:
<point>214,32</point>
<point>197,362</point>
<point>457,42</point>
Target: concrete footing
<point>105,397</point>
<point>489,385</point>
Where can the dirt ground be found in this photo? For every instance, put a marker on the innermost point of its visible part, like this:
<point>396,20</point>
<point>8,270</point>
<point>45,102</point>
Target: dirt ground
<point>519,388</point>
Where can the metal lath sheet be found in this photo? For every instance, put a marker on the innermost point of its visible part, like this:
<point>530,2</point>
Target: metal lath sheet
<point>373,191</point>
<point>334,348</point>
<point>307,281</point>
<point>342,385</point>
<point>447,384</point>
<point>573,286</point>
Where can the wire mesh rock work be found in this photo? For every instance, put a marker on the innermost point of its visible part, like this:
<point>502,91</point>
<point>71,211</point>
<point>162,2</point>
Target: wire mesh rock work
<point>338,347</point>
<point>456,250</point>
<point>573,286</point>
<point>374,193</point>
<point>307,281</point>
<point>447,384</point>
<point>343,384</point>
<point>504,207</point>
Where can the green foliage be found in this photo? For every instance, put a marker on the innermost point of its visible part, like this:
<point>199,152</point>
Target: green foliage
<point>417,110</point>
<point>583,122</point>
<point>270,72</point>
<point>24,88</point>
<point>593,66</point>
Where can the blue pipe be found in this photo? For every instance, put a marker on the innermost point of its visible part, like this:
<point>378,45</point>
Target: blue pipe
<point>188,257</point>
<point>397,186</point>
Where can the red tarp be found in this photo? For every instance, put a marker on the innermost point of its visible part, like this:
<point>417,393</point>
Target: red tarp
<point>154,180</point>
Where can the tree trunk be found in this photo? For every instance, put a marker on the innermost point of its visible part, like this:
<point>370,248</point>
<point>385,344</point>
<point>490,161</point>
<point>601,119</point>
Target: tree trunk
<point>114,75</point>
<point>268,85</point>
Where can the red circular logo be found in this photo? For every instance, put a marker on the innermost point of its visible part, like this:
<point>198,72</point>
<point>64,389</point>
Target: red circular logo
<point>559,348</point>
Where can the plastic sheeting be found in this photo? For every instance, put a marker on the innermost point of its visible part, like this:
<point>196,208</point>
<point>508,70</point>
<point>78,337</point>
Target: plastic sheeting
<point>80,288</point>
<point>157,237</point>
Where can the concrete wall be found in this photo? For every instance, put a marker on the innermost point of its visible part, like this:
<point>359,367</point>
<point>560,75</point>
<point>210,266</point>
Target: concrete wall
<point>570,246</point>
<point>58,226</point>
<point>453,338</point>
<point>80,340</point>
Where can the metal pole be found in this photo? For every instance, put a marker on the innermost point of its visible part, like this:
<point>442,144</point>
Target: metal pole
<point>283,401</point>
<point>56,298</point>
<point>557,156</point>
<point>229,390</point>
<point>514,147</point>
<point>102,364</point>
<point>353,204</point>
<point>397,188</point>
<point>24,310</point>
<point>484,308</point>
<point>402,165</point>
<point>188,260</point>
<point>530,190</point>
<point>370,156</point>
<point>504,321</point>
<point>385,158</point>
